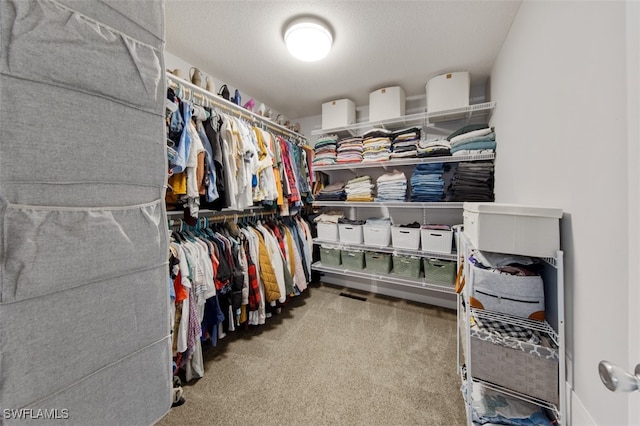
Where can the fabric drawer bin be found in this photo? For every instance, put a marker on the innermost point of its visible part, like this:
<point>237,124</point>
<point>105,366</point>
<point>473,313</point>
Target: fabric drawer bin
<point>338,113</point>
<point>376,235</point>
<point>377,263</point>
<point>406,266</point>
<point>438,271</point>
<point>353,259</point>
<point>521,296</point>
<point>405,238</point>
<point>436,240</point>
<point>327,231</point>
<point>513,229</point>
<point>529,368</point>
<point>350,233</point>
<point>329,256</point>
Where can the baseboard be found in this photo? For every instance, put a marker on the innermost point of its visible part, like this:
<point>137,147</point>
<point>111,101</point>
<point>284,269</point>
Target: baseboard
<point>577,413</point>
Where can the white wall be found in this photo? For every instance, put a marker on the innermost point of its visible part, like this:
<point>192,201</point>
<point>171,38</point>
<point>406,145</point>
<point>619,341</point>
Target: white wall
<point>561,126</point>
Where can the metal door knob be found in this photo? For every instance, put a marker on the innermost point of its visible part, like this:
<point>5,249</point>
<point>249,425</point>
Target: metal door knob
<point>616,379</point>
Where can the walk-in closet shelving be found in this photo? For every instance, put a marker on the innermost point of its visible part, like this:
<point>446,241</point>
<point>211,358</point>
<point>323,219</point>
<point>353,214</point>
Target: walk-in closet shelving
<point>552,328</point>
<point>400,212</point>
<point>425,119</point>
<point>392,250</point>
<point>419,283</point>
<point>404,162</point>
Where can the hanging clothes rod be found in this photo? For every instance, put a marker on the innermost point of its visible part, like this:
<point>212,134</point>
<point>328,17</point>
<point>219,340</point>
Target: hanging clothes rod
<point>203,221</point>
<point>207,99</point>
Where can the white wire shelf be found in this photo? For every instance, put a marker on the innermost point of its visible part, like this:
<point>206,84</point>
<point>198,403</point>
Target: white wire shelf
<point>385,249</point>
<point>387,278</point>
<point>539,402</point>
<point>541,326</point>
<point>392,204</point>
<point>418,119</point>
<point>405,162</point>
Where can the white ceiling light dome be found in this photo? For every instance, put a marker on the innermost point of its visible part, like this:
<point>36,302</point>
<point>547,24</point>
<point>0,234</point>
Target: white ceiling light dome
<point>308,39</point>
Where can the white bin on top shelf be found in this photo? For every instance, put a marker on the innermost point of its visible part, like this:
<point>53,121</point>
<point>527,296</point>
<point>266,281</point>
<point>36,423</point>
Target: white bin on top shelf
<point>512,228</point>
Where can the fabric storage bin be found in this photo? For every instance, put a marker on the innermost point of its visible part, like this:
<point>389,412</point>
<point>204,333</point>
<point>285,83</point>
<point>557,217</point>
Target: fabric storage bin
<point>514,229</point>
<point>436,240</point>
<point>350,233</point>
<point>376,235</point>
<point>448,91</point>
<point>514,357</point>
<point>352,259</point>
<point>327,231</point>
<point>438,271</point>
<point>338,113</point>
<point>406,238</point>
<point>521,296</point>
<point>377,263</point>
<point>329,256</point>
<point>406,266</point>
<point>386,103</point>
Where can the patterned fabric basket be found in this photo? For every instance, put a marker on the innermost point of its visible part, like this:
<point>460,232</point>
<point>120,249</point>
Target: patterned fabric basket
<point>515,358</point>
<point>438,271</point>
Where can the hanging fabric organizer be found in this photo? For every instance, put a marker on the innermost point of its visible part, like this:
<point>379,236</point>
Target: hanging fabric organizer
<point>83,300</point>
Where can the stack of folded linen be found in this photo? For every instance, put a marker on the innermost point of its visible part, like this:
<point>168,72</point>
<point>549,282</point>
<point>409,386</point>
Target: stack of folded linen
<point>434,147</point>
<point>404,143</point>
<point>359,189</point>
<point>427,184</point>
<point>472,181</point>
<point>350,150</point>
<point>325,151</point>
<point>473,139</point>
<point>392,187</point>
<point>333,192</point>
<point>376,145</point>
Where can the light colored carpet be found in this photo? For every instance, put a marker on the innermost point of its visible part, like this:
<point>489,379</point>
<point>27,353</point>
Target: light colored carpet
<point>330,360</point>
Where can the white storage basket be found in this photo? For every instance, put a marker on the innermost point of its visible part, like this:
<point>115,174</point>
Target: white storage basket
<point>377,235</point>
<point>327,231</point>
<point>436,240</point>
<point>405,238</point>
<point>350,233</point>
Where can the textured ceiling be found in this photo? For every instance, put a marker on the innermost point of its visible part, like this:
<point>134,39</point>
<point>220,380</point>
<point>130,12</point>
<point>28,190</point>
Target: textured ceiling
<point>376,44</point>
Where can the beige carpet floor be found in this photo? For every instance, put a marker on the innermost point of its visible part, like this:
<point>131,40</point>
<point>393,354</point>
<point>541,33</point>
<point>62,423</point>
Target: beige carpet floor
<point>332,360</point>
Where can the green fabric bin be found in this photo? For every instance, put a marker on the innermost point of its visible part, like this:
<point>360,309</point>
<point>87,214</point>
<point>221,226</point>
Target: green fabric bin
<point>329,256</point>
<point>407,266</point>
<point>353,259</point>
<point>438,271</point>
<point>377,263</point>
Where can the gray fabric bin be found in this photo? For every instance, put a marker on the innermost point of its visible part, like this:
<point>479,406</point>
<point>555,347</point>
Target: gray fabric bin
<point>330,256</point>
<point>406,266</point>
<point>377,263</point>
<point>438,271</point>
<point>352,259</point>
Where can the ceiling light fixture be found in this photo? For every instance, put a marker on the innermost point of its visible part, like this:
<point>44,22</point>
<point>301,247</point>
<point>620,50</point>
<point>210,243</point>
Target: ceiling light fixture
<point>308,39</point>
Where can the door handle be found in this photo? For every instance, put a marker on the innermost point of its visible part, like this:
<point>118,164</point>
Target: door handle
<point>616,379</point>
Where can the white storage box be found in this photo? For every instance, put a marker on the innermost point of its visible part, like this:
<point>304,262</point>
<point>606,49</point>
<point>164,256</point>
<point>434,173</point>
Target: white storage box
<point>327,231</point>
<point>377,235</point>
<point>436,240</point>
<point>338,113</point>
<point>350,233</point>
<point>448,91</point>
<point>386,103</point>
<point>513,229</point>
<point>406,238</point>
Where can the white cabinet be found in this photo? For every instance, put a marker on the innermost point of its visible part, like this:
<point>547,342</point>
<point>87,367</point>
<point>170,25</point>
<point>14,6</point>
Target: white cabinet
<point>510,356</point>
<point>431,289</point>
